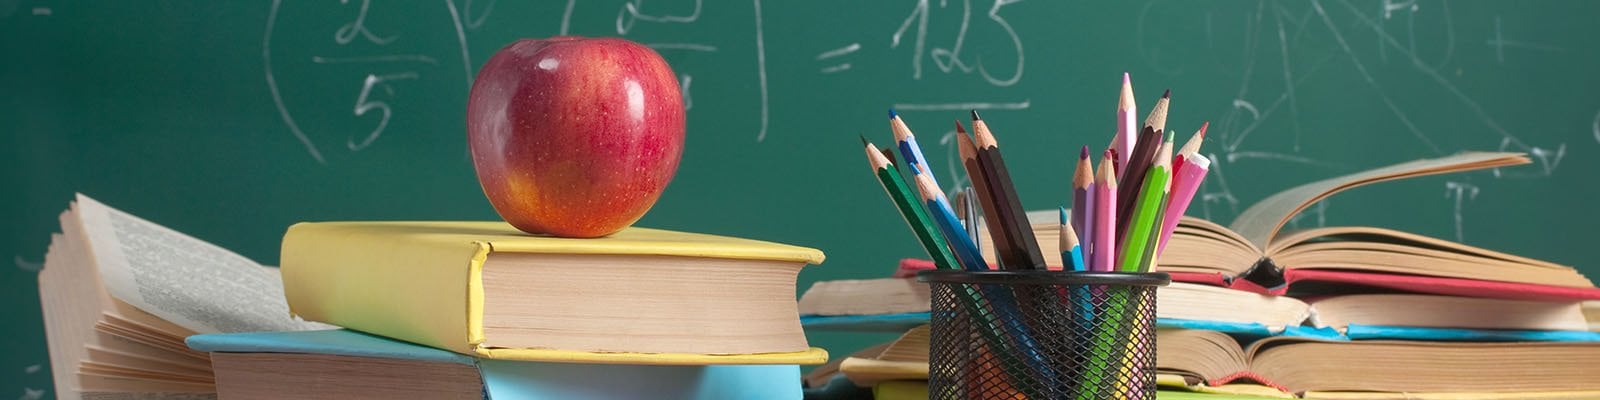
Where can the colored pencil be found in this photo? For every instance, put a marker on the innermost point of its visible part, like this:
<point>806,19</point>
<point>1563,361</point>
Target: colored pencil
<point>1189,170</point>
<point>1127,130</point>
<point>966,253</point>
<point>980,182</point>
<point>1103,255</point>
<point>1083,199</point>
<point>910,209</point>
<point>1190,147</point>
<point>1071,251</point>
<point>907,143</point>
<point>1025,249</point>
<point>970,202</point>
<point>1135,247</point>
<point>1139,162</point>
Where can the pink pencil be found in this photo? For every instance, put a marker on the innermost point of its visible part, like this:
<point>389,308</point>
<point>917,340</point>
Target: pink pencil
<point>1188,170</point>
<point>1103,256</point>
<point>1127,127</point>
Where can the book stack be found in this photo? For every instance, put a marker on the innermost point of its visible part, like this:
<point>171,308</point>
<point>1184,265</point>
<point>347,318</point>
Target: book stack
<point>429,310</point>
<point>1331,312</point>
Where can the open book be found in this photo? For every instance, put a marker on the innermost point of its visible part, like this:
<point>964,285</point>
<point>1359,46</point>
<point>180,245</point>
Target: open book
<point>1308,367</point>
<point>1254,245</point>
<point>120,294</point>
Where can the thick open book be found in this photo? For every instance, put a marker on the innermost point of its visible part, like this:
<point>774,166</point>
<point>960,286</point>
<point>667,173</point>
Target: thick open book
<point>1299,366</point>
<point>1254,245</point>
<point>120,293</point>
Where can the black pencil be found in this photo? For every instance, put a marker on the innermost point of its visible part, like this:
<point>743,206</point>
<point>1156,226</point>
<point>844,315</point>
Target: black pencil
<point>1025,248</point>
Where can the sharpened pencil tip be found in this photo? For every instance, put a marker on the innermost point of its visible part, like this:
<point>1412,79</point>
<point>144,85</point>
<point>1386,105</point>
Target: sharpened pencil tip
<point>975,116</point>
<point>892,114</point>
<point>1167,94</point>
<point>1125,79</point>
<point>864,141</point>
<point>1063,214</point>
<point>1203,126</point>
<point>1082,154</point>
<point>1170,134</point>
<point>960,129</point>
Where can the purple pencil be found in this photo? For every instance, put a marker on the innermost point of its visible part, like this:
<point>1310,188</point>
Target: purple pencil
<point>1083,200</point>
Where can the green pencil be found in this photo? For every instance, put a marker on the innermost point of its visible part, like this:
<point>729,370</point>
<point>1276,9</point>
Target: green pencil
<point>911,209</point>
<point>1145,216</point>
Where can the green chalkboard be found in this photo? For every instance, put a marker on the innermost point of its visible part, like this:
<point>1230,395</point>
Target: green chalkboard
<point>232,120</point>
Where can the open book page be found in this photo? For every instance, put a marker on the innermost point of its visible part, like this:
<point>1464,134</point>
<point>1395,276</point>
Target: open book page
<point>1263,220</point>
<point>1378,249</point>
<point>194,284</point>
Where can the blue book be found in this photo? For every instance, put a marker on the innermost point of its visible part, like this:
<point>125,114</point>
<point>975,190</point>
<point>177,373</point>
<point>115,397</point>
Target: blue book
<point>352,365</point>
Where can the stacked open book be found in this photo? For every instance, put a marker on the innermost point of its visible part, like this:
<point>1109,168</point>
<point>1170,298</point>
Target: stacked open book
<point>444,310</point>
<point>1336,312</point>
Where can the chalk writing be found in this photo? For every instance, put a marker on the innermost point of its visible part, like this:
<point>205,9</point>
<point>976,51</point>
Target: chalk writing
<point>1595,126</point>
<point>1460,192</point>
<point>630,14</point>
<point>1499,43</point>
<point>948,59</point>
<point>837,53</point>
<point>26,265</point>
<point>761,65</point>
<point>347,32</point>
<point>363,105</point>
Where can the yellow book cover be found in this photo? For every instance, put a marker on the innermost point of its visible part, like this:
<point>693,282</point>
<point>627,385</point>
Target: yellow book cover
<point>640,296</point>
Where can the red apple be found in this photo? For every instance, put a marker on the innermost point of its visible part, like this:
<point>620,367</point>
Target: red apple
<point>575,137</point>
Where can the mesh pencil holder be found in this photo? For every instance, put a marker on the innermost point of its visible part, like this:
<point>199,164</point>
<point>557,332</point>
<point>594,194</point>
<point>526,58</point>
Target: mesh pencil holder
<point>1042,334</point>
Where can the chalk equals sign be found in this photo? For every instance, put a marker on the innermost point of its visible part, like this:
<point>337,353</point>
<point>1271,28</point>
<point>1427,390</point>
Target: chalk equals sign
<point>837,53</point>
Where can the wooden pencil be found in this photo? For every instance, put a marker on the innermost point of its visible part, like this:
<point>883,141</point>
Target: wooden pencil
<point>1135,247</point>
<point>971,216</point>
<point>1134,171</point>
<point>911,210</point>
<point>1082,199</point>
<point>1189,170</point>
<point>1071,249</point>
<point>980,182</point>
<point>1127,130</point>
<point>1025,249</point>
<point>906,142</point>
<point>1190,147</point>
<point>1103,255</point>
<point>965,251</point>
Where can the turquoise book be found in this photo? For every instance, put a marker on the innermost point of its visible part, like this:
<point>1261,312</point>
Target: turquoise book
<point>344,364</point>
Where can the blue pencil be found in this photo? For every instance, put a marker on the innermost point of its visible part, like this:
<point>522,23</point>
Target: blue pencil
<point>907,144</point>
<point>960,243</point>
<point>1071,251</point>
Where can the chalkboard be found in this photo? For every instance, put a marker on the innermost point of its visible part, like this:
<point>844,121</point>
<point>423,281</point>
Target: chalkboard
<point>230,120</point>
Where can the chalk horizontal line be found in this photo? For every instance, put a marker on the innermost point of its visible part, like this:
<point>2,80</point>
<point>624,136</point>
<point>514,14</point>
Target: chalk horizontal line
<point>839,51</point>
<point>683,46</point>
<point>364,59</point>
<point>1021,105</point>
<point>836,68</point>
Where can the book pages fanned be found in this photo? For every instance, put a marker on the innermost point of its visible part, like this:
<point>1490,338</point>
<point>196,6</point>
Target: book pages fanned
<point>191,283</point>
<point>1261,221</point>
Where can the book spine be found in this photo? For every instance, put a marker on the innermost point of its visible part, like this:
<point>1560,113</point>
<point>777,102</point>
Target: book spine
<point>408,289</point>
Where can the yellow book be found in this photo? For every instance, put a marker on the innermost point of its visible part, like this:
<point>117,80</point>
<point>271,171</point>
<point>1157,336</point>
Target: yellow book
<point>486,289</point>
